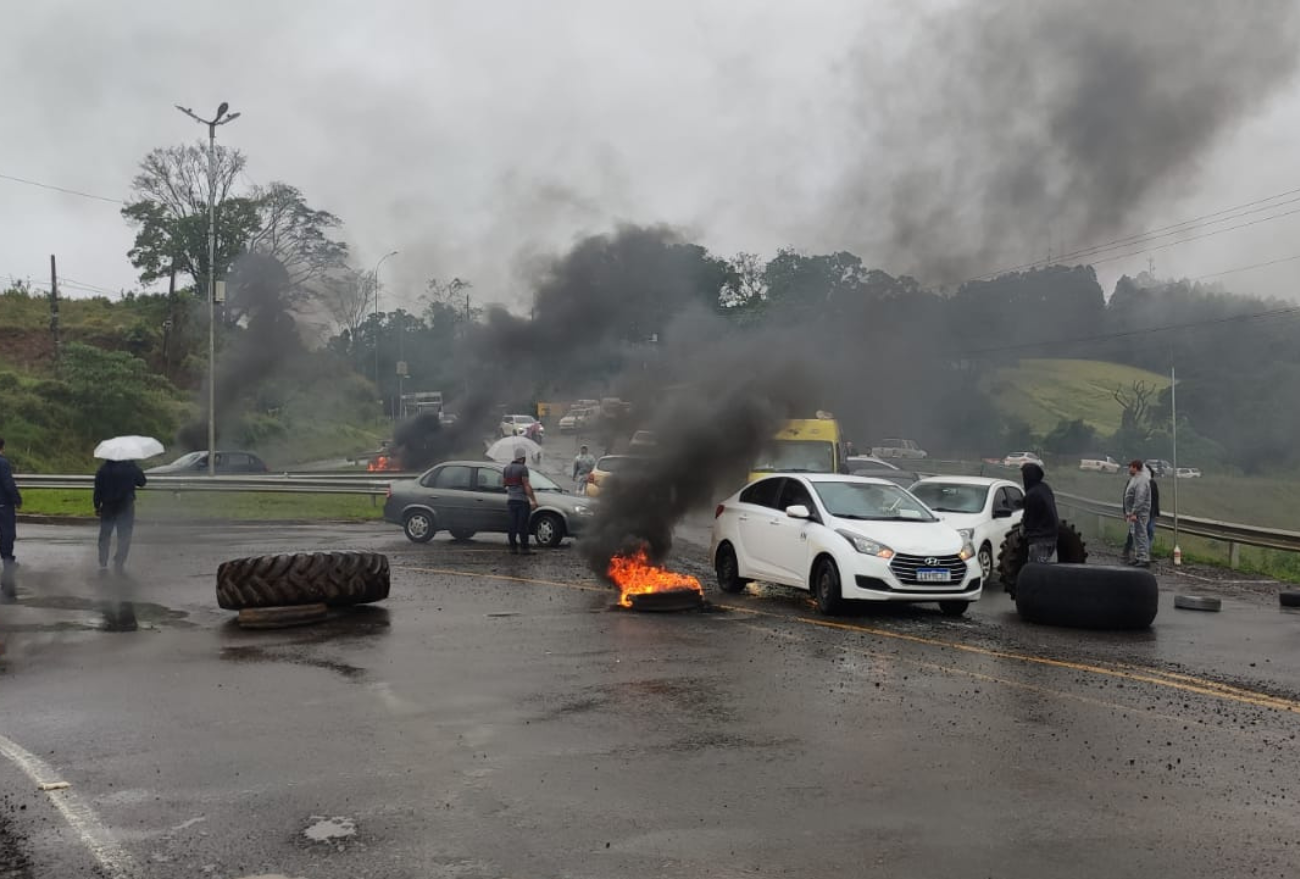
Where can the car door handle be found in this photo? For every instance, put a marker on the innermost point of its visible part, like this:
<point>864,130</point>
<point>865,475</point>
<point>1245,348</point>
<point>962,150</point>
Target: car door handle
<point>774,521</point>
<point>743,518</point>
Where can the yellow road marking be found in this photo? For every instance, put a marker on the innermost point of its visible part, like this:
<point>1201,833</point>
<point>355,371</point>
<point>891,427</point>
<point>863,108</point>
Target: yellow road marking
<point>1155,677</point>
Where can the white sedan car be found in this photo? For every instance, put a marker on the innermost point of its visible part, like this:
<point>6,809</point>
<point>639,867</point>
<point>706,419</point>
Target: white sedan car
<point>517,425</point>
<point>1019,459</point>
<point>982,510</point>
<point>843,538</point>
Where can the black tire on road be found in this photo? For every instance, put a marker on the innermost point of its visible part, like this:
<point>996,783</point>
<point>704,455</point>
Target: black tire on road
<point>826,588</point>
<point>333,578</point>
<point>953,608</point>
<point>1197,602</point>
<point>1070,550</point>
<point>1087,596</point>
<point>281,617</point>
<point>419,526</point>
<point>548,528</point>
<point>462,534</point>
<point>1289,598</point>
<point>728,570</point>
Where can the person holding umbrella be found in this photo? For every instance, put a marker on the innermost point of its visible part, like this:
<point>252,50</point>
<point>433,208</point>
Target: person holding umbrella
<point>115,484</point>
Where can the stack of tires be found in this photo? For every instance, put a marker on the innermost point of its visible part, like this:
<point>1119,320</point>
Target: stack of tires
<point>294,589</point>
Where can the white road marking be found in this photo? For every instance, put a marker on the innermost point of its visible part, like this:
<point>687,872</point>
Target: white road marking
<point>112,858</point>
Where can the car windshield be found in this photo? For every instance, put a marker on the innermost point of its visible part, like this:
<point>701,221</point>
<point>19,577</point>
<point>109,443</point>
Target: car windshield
<point>869,500</point>
<point>798,456</point>
<point>617,464</point>
<point>952,497</point>
<point>541,482</point>
<point>187,460</point>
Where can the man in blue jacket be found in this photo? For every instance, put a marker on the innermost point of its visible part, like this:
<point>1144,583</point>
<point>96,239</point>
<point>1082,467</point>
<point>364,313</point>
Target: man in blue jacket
<point>10,501</point>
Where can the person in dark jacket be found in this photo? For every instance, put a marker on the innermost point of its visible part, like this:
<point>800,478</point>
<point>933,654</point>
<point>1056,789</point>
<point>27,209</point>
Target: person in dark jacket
<point>1042,523</point>
<point>115,486</point>
<point>10,502</point>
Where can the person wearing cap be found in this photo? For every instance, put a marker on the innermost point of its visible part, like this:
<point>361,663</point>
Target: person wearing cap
<point>520,500</point>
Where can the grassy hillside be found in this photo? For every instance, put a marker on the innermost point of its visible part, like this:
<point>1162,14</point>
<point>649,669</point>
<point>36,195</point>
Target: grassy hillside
<point>1042,393</point>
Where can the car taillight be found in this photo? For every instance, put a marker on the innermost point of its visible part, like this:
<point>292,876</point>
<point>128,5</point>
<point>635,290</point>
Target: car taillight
<point>718,511</point>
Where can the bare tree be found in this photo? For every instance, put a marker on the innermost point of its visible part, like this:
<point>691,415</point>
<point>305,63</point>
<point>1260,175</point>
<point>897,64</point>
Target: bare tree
<point>748,281</point>
<point>1136,404</point>
<point>347,296</point>
<point>297,235</point>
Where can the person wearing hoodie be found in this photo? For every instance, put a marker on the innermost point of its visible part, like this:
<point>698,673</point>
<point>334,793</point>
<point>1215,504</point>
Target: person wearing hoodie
<point>1042,524</point>
<point>115,485</point>
<point>1137,510</point>
<point>11,499</point>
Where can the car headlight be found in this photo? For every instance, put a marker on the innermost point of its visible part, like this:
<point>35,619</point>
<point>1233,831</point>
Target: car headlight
<point>866,545</point>
<point>967,551</point>
<point>967,534</point>
<point>582,511</point>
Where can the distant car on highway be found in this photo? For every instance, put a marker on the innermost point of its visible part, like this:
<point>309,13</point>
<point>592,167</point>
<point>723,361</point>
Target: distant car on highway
<point>467,497</point>
<point>227,463</point>
<point>982,510</point>
<point>517,425</point>
<point>1188,473</point>
<point>1159,467</point>
<point>875,468</point>
<point>1101,463</point>
<point>1019,459</point>
<point>843,538</point>
<point>643,442</point>
<point>898,448</point>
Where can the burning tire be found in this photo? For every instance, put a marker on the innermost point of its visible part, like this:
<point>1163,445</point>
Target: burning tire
<point>1070,550</point>
<point>419,526</point>
<point>331,578</point>
<point>1087,596</point>
<point>548,528</point>
<point>728,570</point>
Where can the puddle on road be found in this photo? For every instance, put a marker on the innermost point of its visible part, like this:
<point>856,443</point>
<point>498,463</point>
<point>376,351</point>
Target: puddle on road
<point>330,829</point>
<point>256,654</point>
<point>114,614</point>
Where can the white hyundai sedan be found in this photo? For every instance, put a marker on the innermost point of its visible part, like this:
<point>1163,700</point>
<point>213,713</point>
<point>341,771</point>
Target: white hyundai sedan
<point>984,511</point>
<point>843,538</point>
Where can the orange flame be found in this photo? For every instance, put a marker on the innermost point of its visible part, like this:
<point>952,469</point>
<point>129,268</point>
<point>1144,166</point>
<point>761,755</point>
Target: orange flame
<point>383,463</point>
<point>634,575</point>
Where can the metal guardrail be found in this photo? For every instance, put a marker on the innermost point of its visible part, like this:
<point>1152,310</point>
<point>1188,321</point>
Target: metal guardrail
<point>338,483</point>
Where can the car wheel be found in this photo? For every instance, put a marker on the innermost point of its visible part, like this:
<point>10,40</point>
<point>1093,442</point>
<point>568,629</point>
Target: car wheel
<point>953,608</point>
<point>728,570</point>
<point>826,588</point>
<point>549,530</point>
<point>985,557</point>
<point>462,534</point>
<point>419,527</point>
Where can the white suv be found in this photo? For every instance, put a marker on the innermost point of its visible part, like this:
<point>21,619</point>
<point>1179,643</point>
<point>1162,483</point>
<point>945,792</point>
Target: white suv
<point>843,538</point>
<point>517,425</point>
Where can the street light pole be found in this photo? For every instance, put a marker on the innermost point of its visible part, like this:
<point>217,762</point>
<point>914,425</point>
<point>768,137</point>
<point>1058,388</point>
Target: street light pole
<point>221,118</point>
<point>375,278</point>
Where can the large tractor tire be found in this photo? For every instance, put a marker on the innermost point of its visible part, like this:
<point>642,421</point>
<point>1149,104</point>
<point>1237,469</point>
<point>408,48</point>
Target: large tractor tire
<point>1087,596</point>
<point>1070,550</point>
<point>332,578</point>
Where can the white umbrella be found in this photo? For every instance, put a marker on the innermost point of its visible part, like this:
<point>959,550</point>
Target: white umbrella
<point>128,448</point>
<point>503,451</point>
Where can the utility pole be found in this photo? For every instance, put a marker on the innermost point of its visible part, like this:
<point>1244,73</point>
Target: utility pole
<point>54,314</point>
<point>375,279</point>
<point>221,118</point>
<point>1173,404</point>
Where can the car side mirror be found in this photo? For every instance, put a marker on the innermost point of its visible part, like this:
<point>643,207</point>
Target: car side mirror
<point>1002,512</point>
<point>798,511</point>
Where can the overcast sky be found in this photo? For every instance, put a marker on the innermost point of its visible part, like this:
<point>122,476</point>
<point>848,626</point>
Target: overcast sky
<point>474,137</point>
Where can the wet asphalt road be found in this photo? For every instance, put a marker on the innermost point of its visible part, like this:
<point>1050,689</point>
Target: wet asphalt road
<point>495,718</point>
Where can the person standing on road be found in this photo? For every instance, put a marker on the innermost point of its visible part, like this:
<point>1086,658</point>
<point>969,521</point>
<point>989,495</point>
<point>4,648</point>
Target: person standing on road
<point>520,501</point>
<point>1137,510</point>
<point>1042,524</point>
<point>115,485</point>
<point>1151,523</point>
<point>10,502</point>
<point>582,467</point>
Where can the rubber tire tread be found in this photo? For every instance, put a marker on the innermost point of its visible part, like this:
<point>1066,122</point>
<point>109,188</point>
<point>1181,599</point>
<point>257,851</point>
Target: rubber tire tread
<point>336,579</point>
<point>1087,596</point>
<point>1071,549</point>
<point>282,617</point>
<point>1197,602</point>
<point>1289,598</point>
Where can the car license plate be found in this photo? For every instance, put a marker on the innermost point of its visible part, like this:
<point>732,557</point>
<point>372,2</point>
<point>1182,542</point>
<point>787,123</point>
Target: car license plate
<point>934,575</point>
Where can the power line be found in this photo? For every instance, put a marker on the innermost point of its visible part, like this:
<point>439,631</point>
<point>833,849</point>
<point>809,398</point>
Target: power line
<point>1258,265</point>
<point>1165,231</point>
<point>61,189</point>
